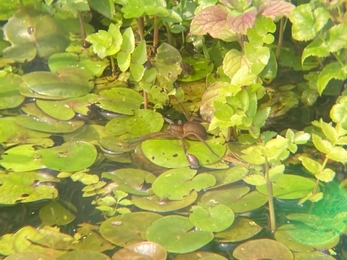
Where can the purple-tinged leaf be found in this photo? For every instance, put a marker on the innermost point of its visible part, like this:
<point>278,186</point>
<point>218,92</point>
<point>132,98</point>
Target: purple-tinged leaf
<point>239,23</point>
<point>212,20</point>
<point>276,8</point>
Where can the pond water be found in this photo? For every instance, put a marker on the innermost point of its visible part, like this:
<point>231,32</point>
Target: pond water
<point>91,167</point>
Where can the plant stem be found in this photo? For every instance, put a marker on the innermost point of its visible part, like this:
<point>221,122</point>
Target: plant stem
<point>83,31</point>
<point>270,197</point>
<point>113,67</point>
<point>155,33</point>
<point>141,25</point>
<point>280,39</point>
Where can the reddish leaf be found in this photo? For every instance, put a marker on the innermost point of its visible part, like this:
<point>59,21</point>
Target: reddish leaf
<point>241,22</point>
<point>212,20</point>
<point>275,8</point>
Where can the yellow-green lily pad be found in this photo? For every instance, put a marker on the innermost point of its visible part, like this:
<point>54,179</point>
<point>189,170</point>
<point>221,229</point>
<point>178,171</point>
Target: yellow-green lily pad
<point>9,94</point>
<point>177,235</point>
<point>129,228</point>
<point>26,187</point>
<point>156,204</point>
<point>65,83</point>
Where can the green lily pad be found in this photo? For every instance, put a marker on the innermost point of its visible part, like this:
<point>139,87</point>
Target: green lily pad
<point>201,67</point>
<point>21,158</point>
<point>238,199</point>
<point>315,255</point>
<point>88,133</point>
<point>169,153</point>
<point>66,109</point>
<point>175,184</point>
<point>141,250</point>
<point>143,122</point>
<point>129,228</point>
<point>82,255</point>
<point>10,132</point>
<point>112,145</point>
<point>289,186</point>
<point>120,100</point>
<point>132,180</point>
<point>65,83</point>
<point>230,175</point>
<point>70,156</point>
<point>9,94</point>
<point>240,230</point>
<point>20,53</point>
<point>214,219</point>
<point>154,203</point>
<point>57,213</point>
<point>25,240</point>
<point>176,234</point>
<point>29,256</point>
<point>262,249</point>
<point>25,187</point>
<point>27,27</point>
<point>200,255</point>
<point>93,66</point>
<point>48,124</point>
<point>284,235</point>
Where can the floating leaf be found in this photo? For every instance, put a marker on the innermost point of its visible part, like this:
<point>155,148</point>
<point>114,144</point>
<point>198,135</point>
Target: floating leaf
<point>9,94</point>
<point>129,228</point>
<point>175,234</point>
<point>214,219</point>
<point>26,187</point>
<point>57,213</point>
<point>142,249</point>
<point>175,184</point>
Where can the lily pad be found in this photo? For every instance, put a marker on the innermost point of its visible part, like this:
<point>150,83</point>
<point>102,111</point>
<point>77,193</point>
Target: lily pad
<point>26,187</point>
<point>289,186</point>
<point>141,250</point>
<point>200,255</point>
<point>10,132</point>
<point>316,255</point>
<point>57,213</point>
<point>176,234</point>
<point>175,184</point>
<point>93,66</point>
<point>48,124</point>
<point>120,100</point>
<point>156,204</point>
<point>28,29</point>
<point>230,175</point>
<point>21,158</point>
<point>68,156</point>
<point>9,94</point>
<point>82,255</point>
<point>262,249</point>
<point>200,68</point>
<point>127,229</point>
<point>241,229</point>
<point>28,256</point>
<point>143,122</point>
<point>169,153</point>
<point>130,180</point>
<point>65,83</point>
<point>214,219</point>
<point>66,109</point>
<point>238,199</point>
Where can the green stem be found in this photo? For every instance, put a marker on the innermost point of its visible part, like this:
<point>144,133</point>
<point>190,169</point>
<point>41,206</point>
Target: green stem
<point>280,39</point>
<point>113,67</point>
<point>270,197</point>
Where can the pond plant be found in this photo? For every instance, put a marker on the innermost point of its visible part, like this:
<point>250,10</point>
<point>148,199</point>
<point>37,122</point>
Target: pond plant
<point>160,129</point>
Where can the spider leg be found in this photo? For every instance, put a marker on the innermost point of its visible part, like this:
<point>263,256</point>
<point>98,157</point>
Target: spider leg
<point>201,140</point>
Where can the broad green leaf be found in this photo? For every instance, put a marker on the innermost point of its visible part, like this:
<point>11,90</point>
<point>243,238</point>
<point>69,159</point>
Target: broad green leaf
<point>337,37</point>
<point>222,111</point>
<point>9,94</point>
<point>317,47</point>
<point>104,7</point>
<point>59,213</point>
<point>311,165</point>
<point>338,154</point>
<point>326,175</point>
<point>128,44</point>
<point>139,55</point>
<point>255,179</point>
<point>333,70</point>
<point>321,145</point>
<point>338,113</point>
<point>261,116</point>
<point>306,22</point>
<point>329,131</point>
<point>137,71</point>
<point>275,172</point>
